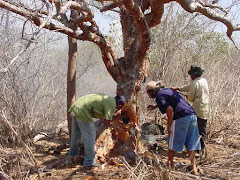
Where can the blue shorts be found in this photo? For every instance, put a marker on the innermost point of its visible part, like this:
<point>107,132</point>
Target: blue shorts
<point>184,132</point>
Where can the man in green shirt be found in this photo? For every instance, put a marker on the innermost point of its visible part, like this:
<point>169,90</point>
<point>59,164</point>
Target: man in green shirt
<point>99,106</point>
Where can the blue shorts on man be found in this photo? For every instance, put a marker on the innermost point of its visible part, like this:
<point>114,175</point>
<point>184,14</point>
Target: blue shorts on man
<point>184,133</point>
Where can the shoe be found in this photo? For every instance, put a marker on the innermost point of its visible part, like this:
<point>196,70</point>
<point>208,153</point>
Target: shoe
<point>94,165</point>
<point>69,160</point>
<point>197,155</point>
<point>203,154</point>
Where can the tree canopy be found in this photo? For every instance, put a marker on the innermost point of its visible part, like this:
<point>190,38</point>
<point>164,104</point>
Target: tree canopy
<point>76,19</point>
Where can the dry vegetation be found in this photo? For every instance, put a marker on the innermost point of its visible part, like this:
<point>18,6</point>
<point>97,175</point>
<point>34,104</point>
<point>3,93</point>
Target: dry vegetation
<point>49,153</point>
<point>32,100</point>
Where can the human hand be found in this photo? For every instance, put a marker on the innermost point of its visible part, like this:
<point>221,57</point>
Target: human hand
<point>132,124</point>
<point>106,122</point>
<point>92,111</point>
<point>169,131</point>
<point>151,107</point>
<point>174,88</point>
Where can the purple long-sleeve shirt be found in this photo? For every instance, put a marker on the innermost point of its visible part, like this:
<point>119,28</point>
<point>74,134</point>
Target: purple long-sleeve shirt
<point>169,97</point>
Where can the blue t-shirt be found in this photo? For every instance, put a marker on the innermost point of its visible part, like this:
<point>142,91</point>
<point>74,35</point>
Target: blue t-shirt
<point>169,97</point>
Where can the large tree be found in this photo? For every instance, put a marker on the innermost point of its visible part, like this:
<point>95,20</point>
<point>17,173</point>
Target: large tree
<point>136,18</point>
<point>76,20</point>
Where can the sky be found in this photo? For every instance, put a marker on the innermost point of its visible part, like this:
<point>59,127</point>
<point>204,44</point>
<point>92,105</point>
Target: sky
<point>234,15</point>
<point>104,20</point>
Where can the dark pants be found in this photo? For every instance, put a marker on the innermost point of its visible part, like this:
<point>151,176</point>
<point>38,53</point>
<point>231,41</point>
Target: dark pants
<point>202,127</point>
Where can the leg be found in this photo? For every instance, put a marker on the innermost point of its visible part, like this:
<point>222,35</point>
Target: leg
<point>202,126</point>
<point>88,131</point>
<point>193,139</point>
<point>176,139</point>
<point>100,127</point>
<point>75,138</point>
<point>191,155</point>
<point>193,142</point>
<point>170,163</point>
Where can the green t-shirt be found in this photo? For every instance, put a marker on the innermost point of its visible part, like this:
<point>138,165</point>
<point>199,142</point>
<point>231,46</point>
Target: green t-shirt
<point>103,107</point>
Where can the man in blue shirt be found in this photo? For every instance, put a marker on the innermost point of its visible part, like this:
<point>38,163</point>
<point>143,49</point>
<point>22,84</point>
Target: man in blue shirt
<point>182,124</point>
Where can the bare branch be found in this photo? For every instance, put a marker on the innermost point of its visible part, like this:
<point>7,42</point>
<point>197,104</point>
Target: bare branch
<point>234,43</point>
<point>213,6</point>
<point>157,10</point>
<point>74,5</point>
<point>49,16</point>
<point>5,69</point>
<point>110,6</point>
<point>142,25</point>
<point>8,124</point>
<point>191,7</point>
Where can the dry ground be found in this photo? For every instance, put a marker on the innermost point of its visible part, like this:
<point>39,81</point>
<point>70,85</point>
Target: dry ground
<point>223,162</point>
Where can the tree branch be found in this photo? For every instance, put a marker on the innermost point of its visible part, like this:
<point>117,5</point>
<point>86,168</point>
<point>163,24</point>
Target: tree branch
<point>90,33</point>
<point>9,125</point>
<point>74,5</point>
<point>5,69</point>
<point>157,9</point>
<point>191,7</point>
<point>108,7</point>
<point>142,25</point>
<point>21,11</point>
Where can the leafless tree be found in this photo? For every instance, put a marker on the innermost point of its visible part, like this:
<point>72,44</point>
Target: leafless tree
<point>136,17</point>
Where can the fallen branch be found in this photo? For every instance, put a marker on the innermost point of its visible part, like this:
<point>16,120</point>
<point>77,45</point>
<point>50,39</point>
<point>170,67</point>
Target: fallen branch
<point>189,175</point>
<point>4,176</point>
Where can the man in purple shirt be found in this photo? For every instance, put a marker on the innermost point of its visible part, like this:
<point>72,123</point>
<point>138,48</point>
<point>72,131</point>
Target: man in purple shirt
<point>182,124</point>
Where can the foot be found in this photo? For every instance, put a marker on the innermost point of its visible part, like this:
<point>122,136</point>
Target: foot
<point>195,171</point>
<point>73,160</point>
<point>197,155</point>
<point>170,165</point>
<point>203,154</point>
<point>192,170</point>
<point>69,161</point>
<point>93,165</point>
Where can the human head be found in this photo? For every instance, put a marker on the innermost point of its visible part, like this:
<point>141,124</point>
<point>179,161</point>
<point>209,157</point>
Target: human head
<point>195,72</point>
<point>120,100</point>
<point>152,89</point>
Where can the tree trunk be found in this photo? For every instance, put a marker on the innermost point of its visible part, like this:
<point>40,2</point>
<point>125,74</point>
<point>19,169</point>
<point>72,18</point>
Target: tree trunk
<point>132,74</point>
<point>71,78</point>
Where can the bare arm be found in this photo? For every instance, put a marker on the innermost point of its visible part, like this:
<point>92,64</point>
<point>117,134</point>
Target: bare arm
<point>175,88</point>
<point>170,113</point>
<point>151,107</point>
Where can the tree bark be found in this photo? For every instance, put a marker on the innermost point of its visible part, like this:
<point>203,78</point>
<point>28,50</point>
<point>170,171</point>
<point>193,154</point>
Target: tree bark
<point>71,78</point>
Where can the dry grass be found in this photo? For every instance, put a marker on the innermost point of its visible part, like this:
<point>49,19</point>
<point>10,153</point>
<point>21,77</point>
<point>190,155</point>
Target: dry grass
<point>50,153</point>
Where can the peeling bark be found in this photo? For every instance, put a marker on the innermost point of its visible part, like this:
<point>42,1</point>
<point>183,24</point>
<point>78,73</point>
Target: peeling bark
<point>129,71</point>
